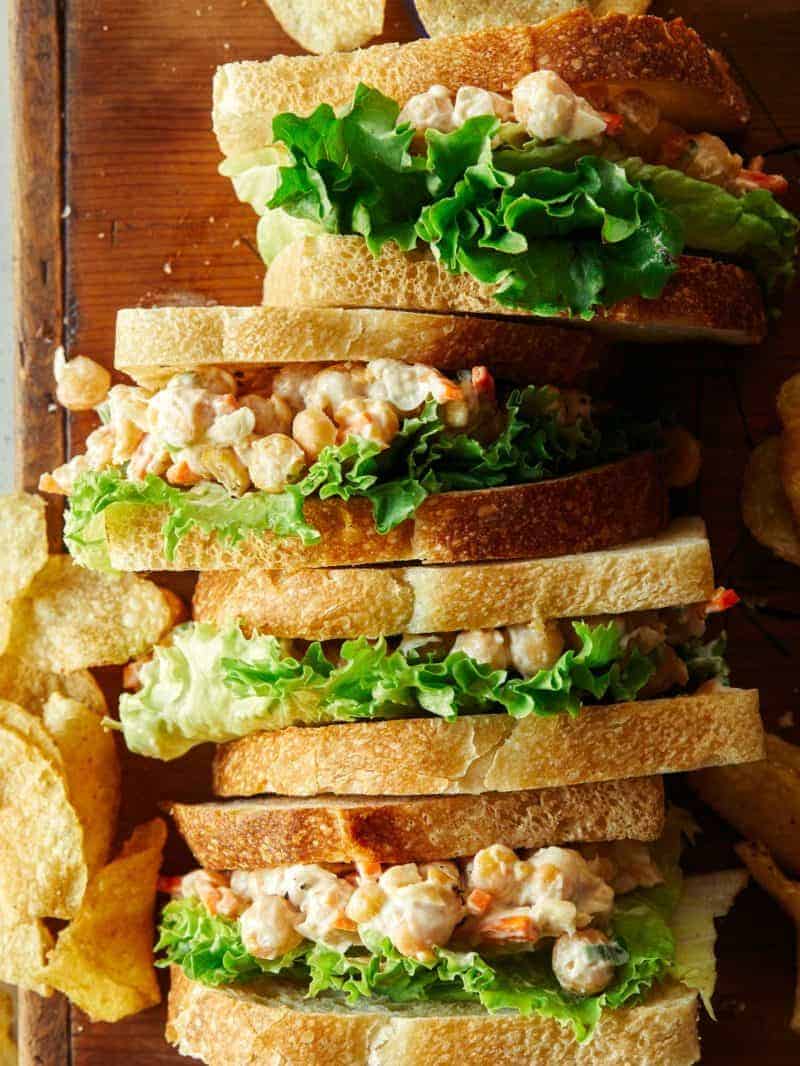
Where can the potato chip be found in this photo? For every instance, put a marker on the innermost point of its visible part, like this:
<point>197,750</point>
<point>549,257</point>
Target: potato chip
<point>441,17</point>
<point>42,868</point>
<point>31,688</point>
<point>785,892</point>
<point>103,960</point>
<point>71,618</point>
<point>92,771</point>
<point>329,25</point>
<point>8,1047</point>
<point>761,799</point>
<point>24,944</point>
<point>764,506</point>
<point>23,542</point>
<point>30,726</point>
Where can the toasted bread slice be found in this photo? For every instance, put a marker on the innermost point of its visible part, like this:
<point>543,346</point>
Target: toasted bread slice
<point>274,1022</point>
<point>598,508</point>
<point>667,60</point>
<point>246,835</point>
<point>704,300</point>
<point>155,343</point>
<point>495,752</point>
<point>672,569</point>
<point>765,507</point>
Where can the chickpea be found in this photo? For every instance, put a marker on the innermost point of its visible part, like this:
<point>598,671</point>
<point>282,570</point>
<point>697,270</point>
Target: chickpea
<point>365,902</point>
<point>81,383</point>
<point>313,431</point>
<point>128,403</point>
<point>374,420</point>
<point>580,964</point>
<point>272,414</point>
<point>488,646</point>
<point>268,927</point>
<point>62,480</point>
<point>212,379</point>
<point>149,458</point>
<point>329,389</point>
<point>127,438</point>
<point>100,447</point>
<point>225,466</point>
<point>291,383</point>
<point>274,461</point>
<point>536,646</point>
<point>493,870</point>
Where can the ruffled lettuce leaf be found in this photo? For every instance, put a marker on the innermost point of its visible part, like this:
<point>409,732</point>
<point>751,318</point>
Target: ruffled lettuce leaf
<point>210,951</point>
<point>424,457</point>
<point>207,506</point>
<point>209,947</point>
<point>753,228</point>
<point>218,685</point>
<point>704,898</point>
<point>550,240</point>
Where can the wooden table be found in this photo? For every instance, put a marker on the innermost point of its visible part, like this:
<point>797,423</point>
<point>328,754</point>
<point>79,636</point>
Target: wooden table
<point>119,204</point>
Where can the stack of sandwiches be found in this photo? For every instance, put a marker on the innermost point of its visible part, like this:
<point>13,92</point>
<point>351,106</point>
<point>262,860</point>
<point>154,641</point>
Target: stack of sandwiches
<point>445,634</point>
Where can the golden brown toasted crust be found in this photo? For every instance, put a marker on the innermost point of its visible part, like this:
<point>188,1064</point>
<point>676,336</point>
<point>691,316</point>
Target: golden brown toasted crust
<point>672,569</point>
<point>704,299</point>
<point>667,60</point>
<point>277,1025</point>
<point>247,835</point>
<point>596,509</point>
<point>494,752</point>
<point>469,16</point>
<point>765,509</point>
<point>761,799</point>
<point>155,343</point>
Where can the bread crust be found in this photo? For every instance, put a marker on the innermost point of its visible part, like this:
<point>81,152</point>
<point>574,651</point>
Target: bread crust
<point>596,509</point>
<point>227,1028</point>
<point>248,835</point>
<point>672,569</point>
<point>667,60</point>
<point>494,752</point>
<point>704,300</point>
<point>152,344</point>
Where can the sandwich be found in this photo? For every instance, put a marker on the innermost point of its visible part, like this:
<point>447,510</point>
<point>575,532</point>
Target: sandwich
<point>453,679</point>
<point>330,437</point>
<point>569,169</point>
<point>582,943</point>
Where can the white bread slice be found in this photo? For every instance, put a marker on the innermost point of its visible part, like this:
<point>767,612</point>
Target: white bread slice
<point>250,834</point>
<point>670,570</point>
<point>154,343</point>
<point>667,60</point>
<point>495,752</point>
<point>704,300</point>
<point>278,1024</point>
<point>598,508</point>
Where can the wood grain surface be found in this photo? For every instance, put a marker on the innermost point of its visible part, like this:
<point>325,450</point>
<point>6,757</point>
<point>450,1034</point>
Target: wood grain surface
<point>112,119</point>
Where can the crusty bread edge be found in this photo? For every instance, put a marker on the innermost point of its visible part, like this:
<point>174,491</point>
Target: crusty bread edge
<point>234,1028</point>
<point>255,834</point>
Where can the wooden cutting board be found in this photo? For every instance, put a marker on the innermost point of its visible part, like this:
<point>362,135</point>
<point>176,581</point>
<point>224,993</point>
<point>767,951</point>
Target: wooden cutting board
<point>119,204</point>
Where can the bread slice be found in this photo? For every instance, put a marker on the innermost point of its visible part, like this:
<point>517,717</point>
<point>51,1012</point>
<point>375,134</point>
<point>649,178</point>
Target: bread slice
<point>667,60</point>
<point>495,752</point>
<point>596,509</point>
<point>704,300</point>
<point>249,834</point>
<point>277,1024</point>
<point>672,569</point>
<point>155,343</point>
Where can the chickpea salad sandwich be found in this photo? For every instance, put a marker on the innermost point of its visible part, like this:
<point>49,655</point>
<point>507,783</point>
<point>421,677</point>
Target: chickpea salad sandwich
<point>576,937</point>
<point>562,169</point>
<point>253,456</point>
<point>450,679</point>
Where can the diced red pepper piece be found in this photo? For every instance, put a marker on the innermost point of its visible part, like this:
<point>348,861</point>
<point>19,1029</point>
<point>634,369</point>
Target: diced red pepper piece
<point>614,123</point>
<point>757,179</point>
<point>722,600</point>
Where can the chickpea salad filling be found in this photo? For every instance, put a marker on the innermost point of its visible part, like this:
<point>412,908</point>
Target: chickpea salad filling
<point>565,932</point>
<point>231,462</point>
<point>211,684</point>
<point>563,205</point>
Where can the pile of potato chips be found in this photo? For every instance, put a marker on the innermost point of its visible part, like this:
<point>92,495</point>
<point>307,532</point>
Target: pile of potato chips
<point>60,777</point>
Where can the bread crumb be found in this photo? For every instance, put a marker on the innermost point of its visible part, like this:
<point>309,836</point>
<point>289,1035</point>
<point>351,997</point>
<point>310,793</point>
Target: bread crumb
<point>66,212</point>
<point>167,267</point>
<point>100,236</point>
